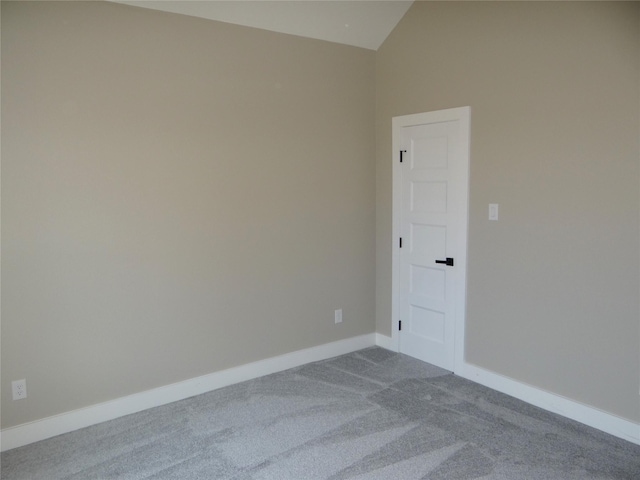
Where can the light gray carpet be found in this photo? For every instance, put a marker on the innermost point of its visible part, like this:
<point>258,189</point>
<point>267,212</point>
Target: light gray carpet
<point>369,415</point>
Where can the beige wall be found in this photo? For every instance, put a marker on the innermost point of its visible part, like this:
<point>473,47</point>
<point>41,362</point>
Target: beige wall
<point>554,90</point>
<point>179,196</point>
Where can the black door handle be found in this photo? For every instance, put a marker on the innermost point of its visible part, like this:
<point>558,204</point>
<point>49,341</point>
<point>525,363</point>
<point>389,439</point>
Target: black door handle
<point>448,261</point>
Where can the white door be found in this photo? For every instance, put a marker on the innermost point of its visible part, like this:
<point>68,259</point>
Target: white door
<point>432,163</point>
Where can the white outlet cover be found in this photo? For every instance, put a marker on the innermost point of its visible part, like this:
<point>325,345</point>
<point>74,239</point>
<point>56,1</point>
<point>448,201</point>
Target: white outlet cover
<point>19,389</point>
<point>338,315</point>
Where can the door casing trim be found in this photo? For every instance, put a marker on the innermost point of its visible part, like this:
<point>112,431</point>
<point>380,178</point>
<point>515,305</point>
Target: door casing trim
<point>463,116</point>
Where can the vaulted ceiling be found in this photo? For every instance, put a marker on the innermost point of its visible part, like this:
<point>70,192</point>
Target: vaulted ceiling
<point>361,23</point>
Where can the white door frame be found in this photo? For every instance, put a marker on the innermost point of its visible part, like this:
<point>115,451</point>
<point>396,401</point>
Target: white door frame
<point>463,116</point>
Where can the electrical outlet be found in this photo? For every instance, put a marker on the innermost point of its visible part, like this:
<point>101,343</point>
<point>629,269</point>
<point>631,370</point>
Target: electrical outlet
<point>19,388</point>
<point>338,315</point>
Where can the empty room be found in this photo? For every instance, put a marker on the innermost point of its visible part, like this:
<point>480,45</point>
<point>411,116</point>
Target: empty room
<point>320,240</point>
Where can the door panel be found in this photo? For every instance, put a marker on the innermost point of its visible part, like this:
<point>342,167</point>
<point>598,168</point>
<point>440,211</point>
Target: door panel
<point>433,199</point>
<point>428,197</point>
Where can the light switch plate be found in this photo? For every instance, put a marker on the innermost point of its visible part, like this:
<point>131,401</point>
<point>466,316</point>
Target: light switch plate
<point>493,211</point>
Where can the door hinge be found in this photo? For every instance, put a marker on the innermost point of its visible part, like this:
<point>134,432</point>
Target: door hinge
<point>400,242</point>
<point>399,325</point>
<point>401,152</point>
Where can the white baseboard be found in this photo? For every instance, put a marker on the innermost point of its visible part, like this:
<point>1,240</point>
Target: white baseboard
<point>551,402</point>
<point>67,422</point>
<point>383,341</point>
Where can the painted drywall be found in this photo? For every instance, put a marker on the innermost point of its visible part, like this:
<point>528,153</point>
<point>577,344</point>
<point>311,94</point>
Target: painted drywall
<point>554,89</point>
<point>179,196</point>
